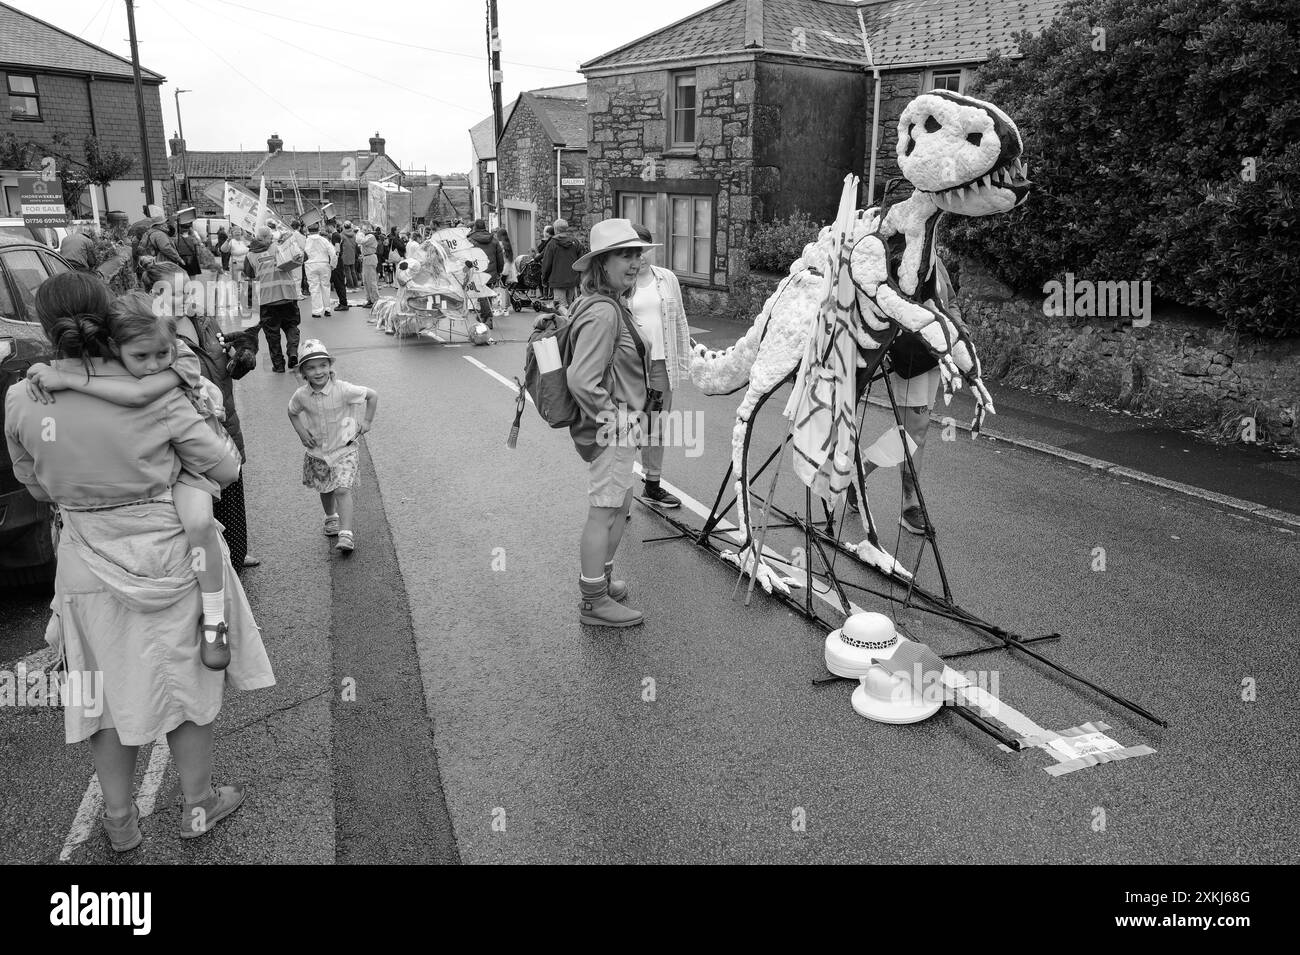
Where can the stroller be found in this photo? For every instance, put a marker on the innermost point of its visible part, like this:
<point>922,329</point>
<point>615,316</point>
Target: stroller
<point>526,291</point>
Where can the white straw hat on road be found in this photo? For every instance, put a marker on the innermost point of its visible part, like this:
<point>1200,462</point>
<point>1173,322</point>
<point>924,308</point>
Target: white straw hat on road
<point>610,235</point>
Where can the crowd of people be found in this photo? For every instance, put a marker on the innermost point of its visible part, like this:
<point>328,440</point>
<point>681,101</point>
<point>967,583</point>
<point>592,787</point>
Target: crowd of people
<point>148,469</point>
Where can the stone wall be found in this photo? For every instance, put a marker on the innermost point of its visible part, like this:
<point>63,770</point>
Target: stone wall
<point>1183,368</point>
<point>526,172</point>
<point>65,103</point>
<point>897,89</point>
<point>627,122</point>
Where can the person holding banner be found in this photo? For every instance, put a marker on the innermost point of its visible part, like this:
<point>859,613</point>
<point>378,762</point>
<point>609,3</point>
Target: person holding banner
<point>277,284</point>
<point>321,259</point>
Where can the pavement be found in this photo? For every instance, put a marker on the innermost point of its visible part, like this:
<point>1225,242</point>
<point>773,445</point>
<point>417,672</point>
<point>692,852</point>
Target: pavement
<point>437,700</point>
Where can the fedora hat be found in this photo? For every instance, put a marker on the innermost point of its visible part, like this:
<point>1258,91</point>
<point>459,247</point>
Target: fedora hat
<point>610,235</point>
<point>890,698</point>
<point>855,647</point>
<point>313,348</point>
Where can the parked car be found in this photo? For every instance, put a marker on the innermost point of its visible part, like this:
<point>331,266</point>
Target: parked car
<point>51,236</point>
<point>29,533</point>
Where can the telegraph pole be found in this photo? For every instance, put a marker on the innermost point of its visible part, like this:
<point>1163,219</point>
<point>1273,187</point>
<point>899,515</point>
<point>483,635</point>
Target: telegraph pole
<point>139,107</point>
<point>494,52</point>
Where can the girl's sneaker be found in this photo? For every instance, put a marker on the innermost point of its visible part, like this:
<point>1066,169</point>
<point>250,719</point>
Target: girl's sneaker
<point>332,525</point>
<point>345,543</point>
<point>123,834</point>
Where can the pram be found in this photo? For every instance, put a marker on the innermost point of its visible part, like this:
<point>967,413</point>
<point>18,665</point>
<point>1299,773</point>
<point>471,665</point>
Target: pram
<point>527,291</point>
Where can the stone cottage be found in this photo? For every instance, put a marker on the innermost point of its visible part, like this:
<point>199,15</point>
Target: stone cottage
<point>750,110</point>
<point>541,162</point>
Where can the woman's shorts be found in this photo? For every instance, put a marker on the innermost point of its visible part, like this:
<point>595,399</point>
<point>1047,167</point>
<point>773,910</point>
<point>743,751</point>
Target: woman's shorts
<point>610,476</point>
<point>918,392</point>
<point>323,477</point>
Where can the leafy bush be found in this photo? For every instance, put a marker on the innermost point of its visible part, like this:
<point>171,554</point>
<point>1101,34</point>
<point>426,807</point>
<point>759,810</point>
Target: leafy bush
<point>774,245</point>
<point>1170,155</point>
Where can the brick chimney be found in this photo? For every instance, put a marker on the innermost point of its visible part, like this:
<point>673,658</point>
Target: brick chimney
<point>177,145</point>
<point>377,144</point>
<point>275,143</point>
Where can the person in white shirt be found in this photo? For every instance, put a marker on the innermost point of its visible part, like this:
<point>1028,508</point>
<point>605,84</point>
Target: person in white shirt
<point>321,259</point>
<point>658,311</point>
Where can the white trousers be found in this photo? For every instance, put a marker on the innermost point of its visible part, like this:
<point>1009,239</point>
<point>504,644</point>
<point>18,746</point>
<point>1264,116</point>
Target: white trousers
<point>318,282</point>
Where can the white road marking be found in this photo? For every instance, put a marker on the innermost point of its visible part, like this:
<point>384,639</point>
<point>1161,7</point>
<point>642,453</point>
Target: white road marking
<point>499,377</point>
<point>1013,719</point>
<point>147,795</point>
<point>88,813</point>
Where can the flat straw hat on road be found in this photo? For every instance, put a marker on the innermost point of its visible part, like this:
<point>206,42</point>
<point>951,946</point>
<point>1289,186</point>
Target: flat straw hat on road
<point>610,235</point>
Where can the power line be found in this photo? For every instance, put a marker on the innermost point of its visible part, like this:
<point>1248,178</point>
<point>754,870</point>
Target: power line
<point>259,87</point>
<point>383,39</point>
<point>84,29</point>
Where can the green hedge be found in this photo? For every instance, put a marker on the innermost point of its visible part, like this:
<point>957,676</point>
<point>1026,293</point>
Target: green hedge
<point>774,245</point>
<point>1138,153</point>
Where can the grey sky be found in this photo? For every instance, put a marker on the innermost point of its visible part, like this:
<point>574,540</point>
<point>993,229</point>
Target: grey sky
<point>302,81</point>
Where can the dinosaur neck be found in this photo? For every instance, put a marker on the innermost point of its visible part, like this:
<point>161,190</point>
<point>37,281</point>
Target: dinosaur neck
<point>917,219</point>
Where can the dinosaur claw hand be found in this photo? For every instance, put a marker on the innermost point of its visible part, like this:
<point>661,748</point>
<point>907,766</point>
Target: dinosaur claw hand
<point>872,555</point>
<point>767,578</point>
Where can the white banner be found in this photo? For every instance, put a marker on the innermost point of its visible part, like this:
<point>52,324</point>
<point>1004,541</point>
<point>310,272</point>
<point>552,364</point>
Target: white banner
<point>241,207</point>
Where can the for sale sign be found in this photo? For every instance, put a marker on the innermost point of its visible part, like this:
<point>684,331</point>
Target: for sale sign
<point>42,201</point>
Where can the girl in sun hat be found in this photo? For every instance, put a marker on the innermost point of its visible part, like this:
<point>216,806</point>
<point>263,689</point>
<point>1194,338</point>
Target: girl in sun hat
<point>327,414</point>
<point>607,378</point>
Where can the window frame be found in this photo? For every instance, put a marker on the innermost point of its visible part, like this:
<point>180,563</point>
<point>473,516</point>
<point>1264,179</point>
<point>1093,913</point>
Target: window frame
<point>663,193</point>
<point>674,79</point>
<point>35,94</point>
<point>933,74</point>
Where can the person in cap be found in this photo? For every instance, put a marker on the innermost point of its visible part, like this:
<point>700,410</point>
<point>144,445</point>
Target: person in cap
<point>277,287</point>
<point>607,378</point>
<point>321,259</point>
<point>329,415</point>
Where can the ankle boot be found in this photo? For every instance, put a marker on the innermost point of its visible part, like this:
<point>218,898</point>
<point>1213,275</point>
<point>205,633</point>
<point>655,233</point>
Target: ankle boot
<point>596,607</point>
<point>617,588</point>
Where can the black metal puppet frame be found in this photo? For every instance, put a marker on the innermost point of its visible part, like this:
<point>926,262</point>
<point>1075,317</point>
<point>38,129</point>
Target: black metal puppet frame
<point>821,535</point>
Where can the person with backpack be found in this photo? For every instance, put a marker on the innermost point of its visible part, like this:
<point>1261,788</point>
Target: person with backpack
<point>187,247</point>
<point>560,264</point>
<point>606,376</point>
<point>484,240</point>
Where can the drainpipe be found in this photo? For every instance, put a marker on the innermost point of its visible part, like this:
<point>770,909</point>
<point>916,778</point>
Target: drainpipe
<point>875,111</point>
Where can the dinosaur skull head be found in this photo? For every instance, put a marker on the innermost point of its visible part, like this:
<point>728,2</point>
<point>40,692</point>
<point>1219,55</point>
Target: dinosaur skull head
<point>964,153</point>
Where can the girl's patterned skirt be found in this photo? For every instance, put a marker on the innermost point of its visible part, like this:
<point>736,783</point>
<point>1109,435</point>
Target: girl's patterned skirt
<point>323,476</point>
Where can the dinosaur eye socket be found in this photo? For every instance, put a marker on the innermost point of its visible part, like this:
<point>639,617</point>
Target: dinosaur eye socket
<point>932,125</point>
<point>974,138</point>
<point>911,142</point>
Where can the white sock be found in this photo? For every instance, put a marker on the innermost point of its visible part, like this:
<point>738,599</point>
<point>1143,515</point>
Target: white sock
<point>214,606</point>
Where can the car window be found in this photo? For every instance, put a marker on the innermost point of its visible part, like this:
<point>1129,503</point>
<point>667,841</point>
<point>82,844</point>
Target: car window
<point>26,269</point>
<point>53,264</point>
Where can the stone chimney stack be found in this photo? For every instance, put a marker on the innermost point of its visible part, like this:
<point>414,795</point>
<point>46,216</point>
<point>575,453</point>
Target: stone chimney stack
<point>377,144</point>
<point>275,143</point>
<point>177,145</point>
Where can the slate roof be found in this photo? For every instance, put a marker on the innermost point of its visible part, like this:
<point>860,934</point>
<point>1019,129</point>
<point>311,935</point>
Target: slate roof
<point>232,164</point>
<point>481,133</point>
<point>252,164</point>
<point>902,32</point>
<point>26,40</point>
<point>565,119</point>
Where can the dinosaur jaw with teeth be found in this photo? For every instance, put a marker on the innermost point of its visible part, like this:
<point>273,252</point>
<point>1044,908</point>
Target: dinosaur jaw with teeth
<point>999,190</point>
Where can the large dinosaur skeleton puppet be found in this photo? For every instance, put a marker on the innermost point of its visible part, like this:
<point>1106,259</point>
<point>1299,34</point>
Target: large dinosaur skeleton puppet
<point>868,278</point>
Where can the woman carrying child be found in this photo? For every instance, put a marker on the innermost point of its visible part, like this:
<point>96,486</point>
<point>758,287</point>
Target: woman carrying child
<point>126,605</point>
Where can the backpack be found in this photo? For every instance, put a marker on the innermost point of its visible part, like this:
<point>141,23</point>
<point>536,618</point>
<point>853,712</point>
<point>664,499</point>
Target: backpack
<point>550,390</point>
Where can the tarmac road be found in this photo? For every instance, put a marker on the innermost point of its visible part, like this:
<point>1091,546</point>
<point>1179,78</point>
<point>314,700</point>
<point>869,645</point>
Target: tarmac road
<point>488,726</point>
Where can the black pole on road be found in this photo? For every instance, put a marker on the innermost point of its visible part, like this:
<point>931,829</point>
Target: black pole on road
<point>139,107</point>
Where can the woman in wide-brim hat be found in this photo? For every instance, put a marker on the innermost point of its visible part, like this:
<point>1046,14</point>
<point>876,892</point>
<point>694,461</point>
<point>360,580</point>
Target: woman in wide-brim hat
<point>607,377</point>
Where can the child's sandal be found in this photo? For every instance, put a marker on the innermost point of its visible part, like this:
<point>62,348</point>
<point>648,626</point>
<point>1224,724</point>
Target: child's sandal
<point>214,648</point>
<point>345,542</point>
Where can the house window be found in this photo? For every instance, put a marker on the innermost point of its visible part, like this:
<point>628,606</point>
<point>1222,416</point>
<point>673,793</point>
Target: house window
<point>277,194</point>
<point>683,223</point>
<point>952,80</point>
<point>682,108</point>
<point>322,192</point>
<point>24,102</point>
